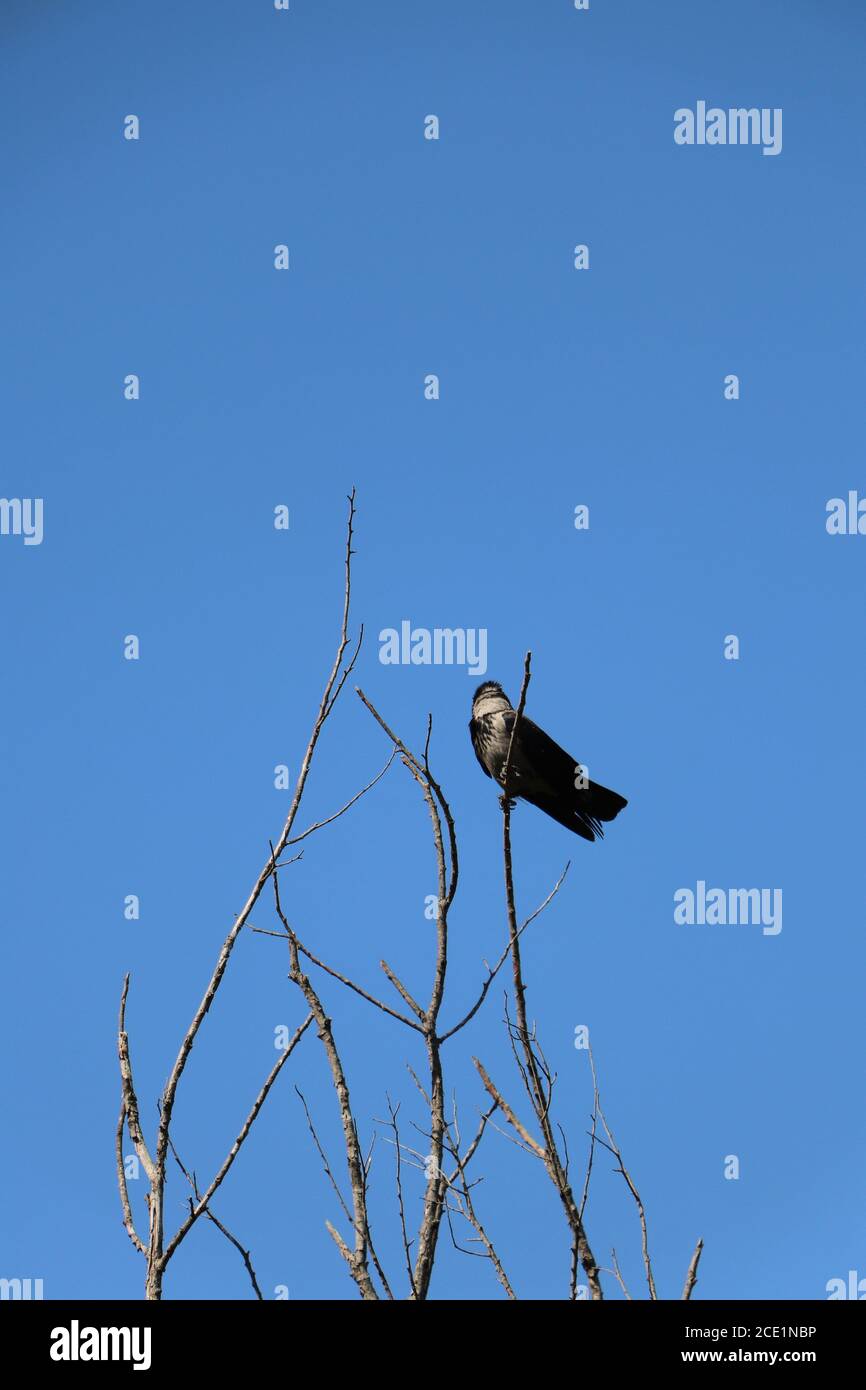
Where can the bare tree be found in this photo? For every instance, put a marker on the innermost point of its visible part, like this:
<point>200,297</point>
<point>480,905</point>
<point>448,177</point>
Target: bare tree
<point>156,1250</point>
<point>448,1164</point>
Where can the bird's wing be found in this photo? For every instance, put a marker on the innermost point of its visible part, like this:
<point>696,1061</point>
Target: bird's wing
<point>473,733</point>
<point>547,776</point>
<point>541,760</point>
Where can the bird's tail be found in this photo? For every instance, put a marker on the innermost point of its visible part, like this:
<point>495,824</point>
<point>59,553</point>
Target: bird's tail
<point>595,804</point>
<point>599,803</point>
<point>581,809</point>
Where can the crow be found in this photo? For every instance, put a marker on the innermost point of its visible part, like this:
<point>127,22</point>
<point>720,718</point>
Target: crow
<point>540,772</point>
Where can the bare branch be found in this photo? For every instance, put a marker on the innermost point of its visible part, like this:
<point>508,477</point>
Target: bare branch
<point>462,1164</point>
<point>620,1280</point>
<point>350,984</point>
<point>130,1101</point>
<point>628,1181</point>
<point>692,1276</point>
<point>536,1073</point>
<point>399,1180</point>
<point>402,990</point>
<point>296,840</point>
<point>245,1254</point>
<point>414,1075</point>
<point>128,1222</point>
<point>491,975</point>
<point>434,1196</point>
<point>508,1112</point>
<point>325,1164</point>
<point>460,1189</point>
<point>238,1144</point>
<point>356,1259</point>
<point>156,1168</point>
<point>325,708</point>
<point>344,979</point>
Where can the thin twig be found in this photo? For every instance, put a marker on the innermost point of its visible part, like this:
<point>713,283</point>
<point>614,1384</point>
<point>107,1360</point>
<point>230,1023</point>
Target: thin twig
<point>323,1156</point>
<point>509,1114</point>
<point>614,1148</point>
<point>463,1196</point>
<point>620,1280</point>
<point>296,839</point>
<point>350,984</point>
<point>401,1206</point>
<point>235,1149</point>
<point>356,1259</point>
<point>447,868</point>
<point>692,1276</point>
<point>401,989</point>
<point>245,1254</point>
<point>491,975</point>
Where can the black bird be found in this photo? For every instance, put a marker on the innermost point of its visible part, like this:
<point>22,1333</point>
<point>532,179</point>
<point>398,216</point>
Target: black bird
<point>540,771</point>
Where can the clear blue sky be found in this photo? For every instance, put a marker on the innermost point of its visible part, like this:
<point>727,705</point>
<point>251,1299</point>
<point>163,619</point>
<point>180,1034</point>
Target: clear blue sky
<point>558,387</point>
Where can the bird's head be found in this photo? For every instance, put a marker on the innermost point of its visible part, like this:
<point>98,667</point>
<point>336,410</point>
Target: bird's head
<point>489,698</point>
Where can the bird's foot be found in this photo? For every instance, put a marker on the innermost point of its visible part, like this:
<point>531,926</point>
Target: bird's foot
<point>507,803</point>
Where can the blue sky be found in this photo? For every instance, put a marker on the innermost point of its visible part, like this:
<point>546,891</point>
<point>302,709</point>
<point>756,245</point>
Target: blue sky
<point>557,388</point>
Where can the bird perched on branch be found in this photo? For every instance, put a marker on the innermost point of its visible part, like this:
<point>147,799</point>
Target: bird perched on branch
<point>540,771</point>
